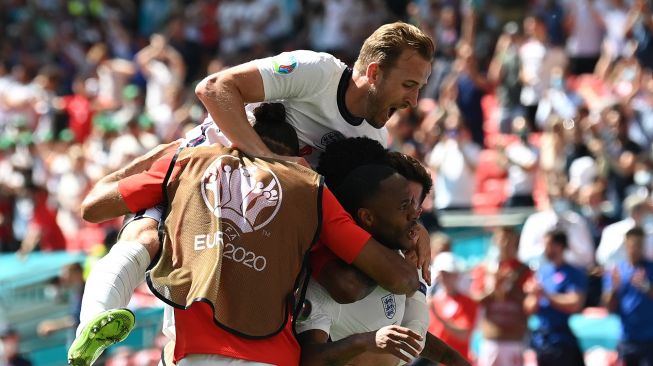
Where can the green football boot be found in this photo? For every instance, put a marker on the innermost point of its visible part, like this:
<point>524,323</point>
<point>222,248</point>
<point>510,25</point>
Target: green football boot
<point>106,329</point>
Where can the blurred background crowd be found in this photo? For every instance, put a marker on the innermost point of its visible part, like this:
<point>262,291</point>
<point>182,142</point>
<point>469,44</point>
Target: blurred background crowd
<point>541,107</point>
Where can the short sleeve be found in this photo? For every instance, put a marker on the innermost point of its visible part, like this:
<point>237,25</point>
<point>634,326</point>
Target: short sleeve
<point>339,232</point>
<point>320,310</point>
<point>297,74</point>
<point>144,190</point>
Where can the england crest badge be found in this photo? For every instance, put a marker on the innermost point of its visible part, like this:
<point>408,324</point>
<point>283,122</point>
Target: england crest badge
<point>389,305</point>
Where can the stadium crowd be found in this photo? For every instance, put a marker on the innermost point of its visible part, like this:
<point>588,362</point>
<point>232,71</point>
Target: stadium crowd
<point>545,104</point>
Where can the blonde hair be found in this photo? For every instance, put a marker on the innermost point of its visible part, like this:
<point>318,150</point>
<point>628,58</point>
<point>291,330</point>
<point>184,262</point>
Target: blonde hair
<point>387,43</point>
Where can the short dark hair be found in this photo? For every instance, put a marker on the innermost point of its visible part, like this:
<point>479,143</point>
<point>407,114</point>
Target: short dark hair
<point>558,236</point>
<point>412,170</point>
<point>341,157</point>
<point>278,135</point>
<point>635,231</point>
<point>360,185</point>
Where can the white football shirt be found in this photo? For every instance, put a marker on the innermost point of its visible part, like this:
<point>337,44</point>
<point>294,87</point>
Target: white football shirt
<point>312,87</point>
<point>377,310</point>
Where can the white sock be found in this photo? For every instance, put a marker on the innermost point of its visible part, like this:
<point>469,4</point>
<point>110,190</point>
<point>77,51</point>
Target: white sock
<point>112,280</point>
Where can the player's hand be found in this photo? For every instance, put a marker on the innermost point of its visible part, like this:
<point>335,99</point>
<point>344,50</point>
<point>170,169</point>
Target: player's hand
<point>394,339</point>
<point>144,162</point>
<point>423,249</point>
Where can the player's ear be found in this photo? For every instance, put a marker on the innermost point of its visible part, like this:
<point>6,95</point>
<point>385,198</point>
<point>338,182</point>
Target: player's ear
<point>365,217</point>
<point>373,71</point>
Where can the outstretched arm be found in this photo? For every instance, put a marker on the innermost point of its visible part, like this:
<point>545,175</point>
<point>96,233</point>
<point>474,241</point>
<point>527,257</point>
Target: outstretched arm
<point>105,201</point>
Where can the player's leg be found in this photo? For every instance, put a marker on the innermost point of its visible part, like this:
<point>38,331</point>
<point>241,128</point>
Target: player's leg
<point>109,287</point>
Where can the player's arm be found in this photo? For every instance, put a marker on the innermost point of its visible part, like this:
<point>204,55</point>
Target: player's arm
<point>224,94</point>
<point>439,352</point>
<point>346,284</point>
<point>393,339</point>
<point>106,200</point>
<point>387,268</point>
<point>355,246</point>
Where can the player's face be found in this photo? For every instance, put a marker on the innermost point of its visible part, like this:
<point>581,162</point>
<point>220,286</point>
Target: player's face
<point>417,190</point>
<point>396,87</point>
<point>395,210</point>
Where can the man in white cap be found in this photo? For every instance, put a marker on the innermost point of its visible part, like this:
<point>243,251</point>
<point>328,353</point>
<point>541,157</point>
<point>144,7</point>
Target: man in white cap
<point>453,314</point>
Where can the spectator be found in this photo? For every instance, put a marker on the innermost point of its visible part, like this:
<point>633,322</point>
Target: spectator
<point>557,291</point>
<point>164,71</point>
<point>453,315</point>
<point>471,86</point>
<point>9,342</point>
<point>639,26</point>
<point>498,287</point>
<point>619,152</point>
<point>585,27</point>
<point>611,248</point>
<point>557,101</point>
<point>628,293</point>
<point>536,58</point>
<point>79,107</point>
<point>615,17</point>
<point>445,32</point>
<point>641,110</point>
<point>504,72</point>
<point>454,160</point>
<point>440,243</point>
<point>43,231</point>
<point>71,280</point>
<point>519,159</point>
<point>553,149</point>
<point>556,213</point>
<point>553,13</point>
<point>626,73</point>
<point>594,207</point>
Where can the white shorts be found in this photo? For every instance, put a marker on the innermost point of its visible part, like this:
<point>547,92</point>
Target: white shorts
<point>216,360</point>
<point>501,353</point>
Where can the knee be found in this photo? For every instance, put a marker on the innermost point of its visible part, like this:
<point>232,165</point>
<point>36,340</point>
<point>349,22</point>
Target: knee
<point>150,240</point>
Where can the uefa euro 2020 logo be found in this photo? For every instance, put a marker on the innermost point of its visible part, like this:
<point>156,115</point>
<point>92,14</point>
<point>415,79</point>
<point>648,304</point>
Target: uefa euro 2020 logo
<point>247,196</point>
